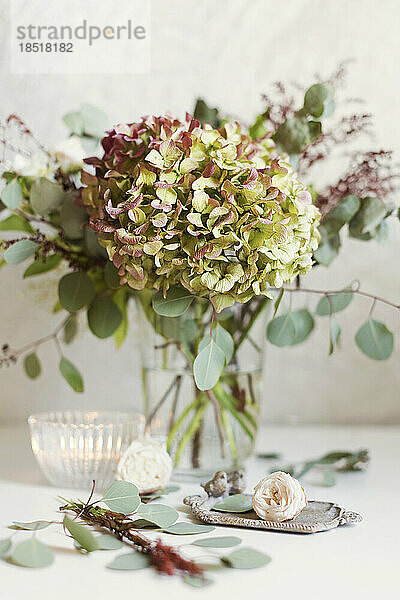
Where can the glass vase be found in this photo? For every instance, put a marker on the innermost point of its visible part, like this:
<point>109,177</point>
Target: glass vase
<point>205,431</point>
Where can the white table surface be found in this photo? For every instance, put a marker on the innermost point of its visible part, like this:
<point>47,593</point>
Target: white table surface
<point>357,562</point>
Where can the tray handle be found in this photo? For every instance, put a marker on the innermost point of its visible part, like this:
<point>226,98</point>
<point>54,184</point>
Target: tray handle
<point>349,517</point>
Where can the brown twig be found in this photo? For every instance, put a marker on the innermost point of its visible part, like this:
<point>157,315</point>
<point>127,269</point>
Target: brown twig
<point>175,382</point>
<point>345,291</point>
<point>11,356</point>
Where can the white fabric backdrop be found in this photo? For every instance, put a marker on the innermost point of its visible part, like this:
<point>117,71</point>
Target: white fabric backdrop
<point>229,52</point>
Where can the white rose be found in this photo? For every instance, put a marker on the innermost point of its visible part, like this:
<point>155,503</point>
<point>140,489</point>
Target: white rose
<point>36,165</point>
<point>278,497</point>
<point>69,154</point>
<point>147,464</point>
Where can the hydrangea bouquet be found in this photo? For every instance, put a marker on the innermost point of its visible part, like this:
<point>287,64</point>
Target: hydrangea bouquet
<point>205,223</point>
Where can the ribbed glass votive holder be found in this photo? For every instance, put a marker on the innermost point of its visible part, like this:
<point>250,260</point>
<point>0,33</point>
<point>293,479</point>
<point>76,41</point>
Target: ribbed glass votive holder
<point>74,447</point>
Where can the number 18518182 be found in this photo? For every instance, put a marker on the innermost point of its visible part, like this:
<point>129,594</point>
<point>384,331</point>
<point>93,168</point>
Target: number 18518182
<point>46,47</point>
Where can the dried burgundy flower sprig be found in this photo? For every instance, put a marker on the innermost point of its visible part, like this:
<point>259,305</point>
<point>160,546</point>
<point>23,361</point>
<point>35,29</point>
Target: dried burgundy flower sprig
<point>371,174</point>
<point>165,559</point>
<point>15,128</point>
<point>343,132</point>
<point>281,105</point>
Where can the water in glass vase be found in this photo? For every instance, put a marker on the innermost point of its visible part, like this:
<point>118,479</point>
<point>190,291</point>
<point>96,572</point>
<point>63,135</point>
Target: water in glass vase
<point>204,430</point>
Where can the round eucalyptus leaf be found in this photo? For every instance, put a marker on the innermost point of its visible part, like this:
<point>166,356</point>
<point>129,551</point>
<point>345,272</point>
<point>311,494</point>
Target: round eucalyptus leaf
<point>145,524</point>
<point>293,135</point>
<point>159,514</point>
<point>198,581</point>
<point>246,558</point>
<point>20,251</point>
<point>343,212</point>
<point>95,121</point>
<point>328,248</point>
<point>31,525</point>
<point>32,553</point>
<point>81,535</point>
<point>175,303</point>
<point>75,290</point>
<point>46,196</point>
<point>5,547</point>
<point>371,212</point>
<point>130,562</point>
<point>334,335</point>
<point>375,340</point>
<point>122,497</point>
<point>181,329</point>
<point>303,323</point>
<point>74,122</point>
<point>32,365</point>
<point>70,329</point>
<point>222,338</point>
<point>206,114</point>
<point>40,266</point>
<point>16,223</point>
<point>383,232</point>
<point>258,129</point>
<point>234,504</point>
<point>72,218</point>
<point>71,375</point>
<point>184,528</point>
<point>208,366</point>
<point>108,542</point>
<point>11,194</point>
<point>314,130</point>
<point>218,542</point>
<point>281,331</point>
<point>92,245</point>
<point>318,101</point>
<point>333,303</point>
<point>104,317</point>
<point>111,276</point>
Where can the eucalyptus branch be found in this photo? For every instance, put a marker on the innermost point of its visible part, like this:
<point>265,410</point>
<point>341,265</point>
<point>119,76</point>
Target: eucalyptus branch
<point>11,356</point>
<point>345,291</point>
<point>37,219</point>
<point>75,260</point>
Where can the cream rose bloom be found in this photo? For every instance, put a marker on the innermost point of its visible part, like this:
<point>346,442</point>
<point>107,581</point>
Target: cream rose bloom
<point>69,154</point>
<point>36,165</point>
<point>147,464</point>
<point>278,497</point>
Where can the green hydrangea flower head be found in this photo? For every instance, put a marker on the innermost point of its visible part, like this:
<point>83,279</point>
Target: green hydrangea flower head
<point>212,210</point>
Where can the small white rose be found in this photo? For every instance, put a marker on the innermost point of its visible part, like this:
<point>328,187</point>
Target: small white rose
<point>278,497</point>
<point>147,464</point>
<point>36,165</point>
<point>69,154</point>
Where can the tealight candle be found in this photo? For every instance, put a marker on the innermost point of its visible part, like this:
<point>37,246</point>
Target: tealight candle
<point>74,447</point>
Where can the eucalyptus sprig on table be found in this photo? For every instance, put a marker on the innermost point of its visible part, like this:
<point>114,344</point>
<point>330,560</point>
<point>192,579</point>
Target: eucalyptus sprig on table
<point>328,464</point>
<point>121,525</point>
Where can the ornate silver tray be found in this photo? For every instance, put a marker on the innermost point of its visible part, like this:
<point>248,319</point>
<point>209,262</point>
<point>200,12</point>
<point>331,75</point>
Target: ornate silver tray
<point>316,516</point>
